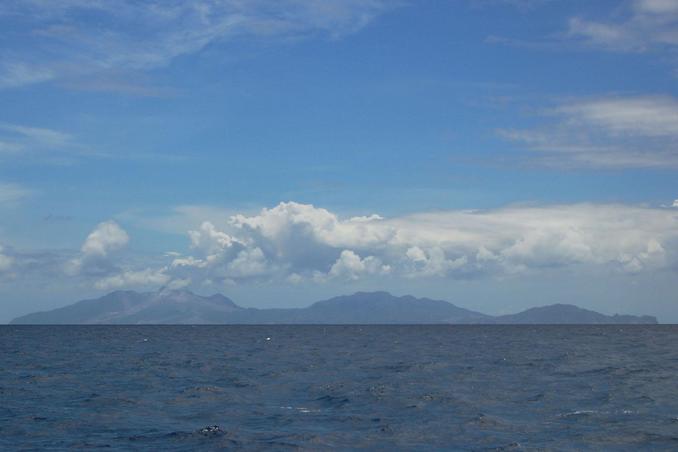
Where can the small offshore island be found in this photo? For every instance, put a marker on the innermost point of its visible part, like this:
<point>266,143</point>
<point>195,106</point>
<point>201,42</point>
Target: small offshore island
<point>185,307</point>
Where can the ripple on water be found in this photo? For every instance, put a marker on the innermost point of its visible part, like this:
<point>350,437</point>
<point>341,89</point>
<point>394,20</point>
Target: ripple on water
<point>402,387</point>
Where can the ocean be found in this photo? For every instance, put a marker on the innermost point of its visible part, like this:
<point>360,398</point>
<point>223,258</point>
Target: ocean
<point>339,387</point>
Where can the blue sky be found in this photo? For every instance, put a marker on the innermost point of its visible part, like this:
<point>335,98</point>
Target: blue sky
<point>497,154</point>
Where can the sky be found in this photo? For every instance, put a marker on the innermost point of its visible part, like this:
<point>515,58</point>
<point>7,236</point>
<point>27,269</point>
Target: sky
<point>498,154</point>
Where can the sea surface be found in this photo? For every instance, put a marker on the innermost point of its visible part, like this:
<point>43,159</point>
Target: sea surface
<point>343,387</point>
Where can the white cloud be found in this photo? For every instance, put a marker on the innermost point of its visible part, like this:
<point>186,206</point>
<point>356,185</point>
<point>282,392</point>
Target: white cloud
<point>598,34</point>
<point>94,258</point>
<point>349,265</point>
<point>128,279</point>
<point>614,132</point>
<point>644,116</point>
<point>522,5</point>
<point>209,240</point>
<point>41,144</point>
<point>299,242</point>
<point>675,203</point>
<point>99,264</point>
<point>248,263</point>
<point>289,221</point>
<point>35,136</point>
<point>106,237</point>
<point>6,262</point>
<point>432,262</point>
<point>647,24</point>
<point>53,40</point>
<point>657,6</point>
<point>11,193</point>
<point>17,73</point>
<point>220,257</point>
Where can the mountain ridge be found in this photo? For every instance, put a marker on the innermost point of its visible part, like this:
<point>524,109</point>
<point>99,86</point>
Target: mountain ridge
<point>184,307</point>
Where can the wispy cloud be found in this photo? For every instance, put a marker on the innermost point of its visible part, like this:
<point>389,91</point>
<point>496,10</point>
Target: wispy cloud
<point>21,137</point>
<point>49,146</point>
<point>630,26</point>
<point>44,40</point>
<point>12,193</point>
<point>43,145</point>
<point>645,25</point>
<point>611,132</point>
<point>628,116</point>
<point>522,5</point>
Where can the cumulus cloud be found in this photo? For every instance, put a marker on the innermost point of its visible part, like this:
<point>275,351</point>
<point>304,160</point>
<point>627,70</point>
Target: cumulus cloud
<point>106,237</point>
<point>209,240</point>
<point>57,40</point>
<point>612,132</point>
<point>94,257</point>
<point>248,263</point>
<point>295,243</point>
<point>99,263</point>
<point>300,243</point>
<point>432,262</point>
<point>288,239</point>
<point>349,265</point>
<point>283,224</point>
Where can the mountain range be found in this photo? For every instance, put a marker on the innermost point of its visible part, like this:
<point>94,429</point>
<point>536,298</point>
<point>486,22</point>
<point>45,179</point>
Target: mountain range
<point>184,307</point>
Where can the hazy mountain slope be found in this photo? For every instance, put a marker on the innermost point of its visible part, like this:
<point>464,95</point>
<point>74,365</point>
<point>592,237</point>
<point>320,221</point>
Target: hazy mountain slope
<point>364,308</point>
<point>184,307</point>
<point>382,307</point>
<point>87,311</point>
<point>568,314</point>
<point>165,306</point>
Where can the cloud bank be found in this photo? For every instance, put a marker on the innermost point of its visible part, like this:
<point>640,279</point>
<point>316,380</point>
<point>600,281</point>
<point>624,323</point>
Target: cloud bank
<point>295,243</point>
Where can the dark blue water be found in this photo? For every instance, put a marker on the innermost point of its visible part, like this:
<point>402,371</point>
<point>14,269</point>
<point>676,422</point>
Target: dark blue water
<point>347,387</point>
